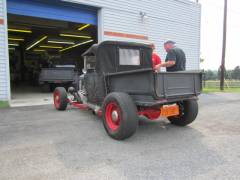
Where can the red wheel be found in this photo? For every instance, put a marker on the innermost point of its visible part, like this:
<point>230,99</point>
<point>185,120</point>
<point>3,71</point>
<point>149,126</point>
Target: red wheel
<point>60,98</point>
<point>112,116</point>
<point>120,117</point>
<point>56,98</point>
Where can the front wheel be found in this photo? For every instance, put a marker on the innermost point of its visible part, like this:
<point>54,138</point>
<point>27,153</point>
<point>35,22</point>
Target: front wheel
<point>188,113</point>
<point>60,98</point>
<point>120,117</point>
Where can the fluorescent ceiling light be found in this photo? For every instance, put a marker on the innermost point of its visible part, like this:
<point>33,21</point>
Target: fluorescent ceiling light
<point>60,42</point>
<point>13,44</point>
<point>76,36</point>
<point>37,42</point>
<point>83,27</point>
<point>39,50</point>
<point>20,30</point>
<point>79,44</point>
<point>15,39</point>
<point>52,47</point>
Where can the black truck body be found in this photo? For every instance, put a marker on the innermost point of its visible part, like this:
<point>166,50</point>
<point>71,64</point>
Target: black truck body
<point>145,86</point>
<point>120,85</point>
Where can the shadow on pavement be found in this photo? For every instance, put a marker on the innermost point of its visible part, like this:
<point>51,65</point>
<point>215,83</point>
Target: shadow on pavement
<point>158,149</point>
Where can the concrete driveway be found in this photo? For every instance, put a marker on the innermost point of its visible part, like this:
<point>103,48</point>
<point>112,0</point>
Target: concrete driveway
<point>41,143</point>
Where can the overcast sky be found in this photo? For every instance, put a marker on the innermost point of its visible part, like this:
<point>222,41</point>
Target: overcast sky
<point>211,36</point>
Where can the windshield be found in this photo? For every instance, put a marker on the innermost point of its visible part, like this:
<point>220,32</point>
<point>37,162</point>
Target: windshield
<point>90,62</point>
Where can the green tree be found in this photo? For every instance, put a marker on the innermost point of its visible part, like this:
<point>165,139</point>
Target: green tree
<point>236,73</point>
<point>219,73</point>
<point>210,75</point>
<point>228,74</point>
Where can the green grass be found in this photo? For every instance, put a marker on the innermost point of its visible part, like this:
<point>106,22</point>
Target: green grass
<point>4,104</point>
<point>212,90</point>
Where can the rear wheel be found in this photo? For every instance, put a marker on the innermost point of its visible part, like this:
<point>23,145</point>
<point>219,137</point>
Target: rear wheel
<point>60,98</point>
<point>120,117</point>
<point>188,113</point>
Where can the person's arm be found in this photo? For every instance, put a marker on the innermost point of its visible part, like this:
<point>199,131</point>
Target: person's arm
<point>171,56</point>
<point>170,63</point>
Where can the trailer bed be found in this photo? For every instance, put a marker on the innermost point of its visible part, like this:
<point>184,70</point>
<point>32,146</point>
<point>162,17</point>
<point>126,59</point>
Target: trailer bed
<point>60,74</point>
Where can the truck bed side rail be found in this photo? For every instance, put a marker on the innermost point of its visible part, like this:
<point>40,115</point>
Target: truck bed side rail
<point>178,84</point>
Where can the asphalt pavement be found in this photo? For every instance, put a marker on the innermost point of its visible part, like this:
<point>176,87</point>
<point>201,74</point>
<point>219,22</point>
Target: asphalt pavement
<point>42,143</point>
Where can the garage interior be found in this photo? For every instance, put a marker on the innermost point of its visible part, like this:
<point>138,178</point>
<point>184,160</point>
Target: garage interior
<point>36,43</point>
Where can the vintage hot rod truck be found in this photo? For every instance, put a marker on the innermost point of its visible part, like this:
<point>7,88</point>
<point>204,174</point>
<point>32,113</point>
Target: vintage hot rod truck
<point>120,85</point>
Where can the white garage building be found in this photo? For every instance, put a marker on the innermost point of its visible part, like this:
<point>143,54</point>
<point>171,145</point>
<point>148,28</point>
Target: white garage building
<point>125,20</point>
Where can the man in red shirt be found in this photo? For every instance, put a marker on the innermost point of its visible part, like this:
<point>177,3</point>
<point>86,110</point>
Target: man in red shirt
<point>156,60</point>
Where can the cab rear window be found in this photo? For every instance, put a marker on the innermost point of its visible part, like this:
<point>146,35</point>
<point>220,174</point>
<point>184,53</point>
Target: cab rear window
<point>129,57</point>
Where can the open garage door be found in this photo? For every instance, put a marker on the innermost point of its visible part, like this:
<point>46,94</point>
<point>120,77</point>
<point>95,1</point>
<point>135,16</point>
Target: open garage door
<point>46,36</point>
<point>55,10</point>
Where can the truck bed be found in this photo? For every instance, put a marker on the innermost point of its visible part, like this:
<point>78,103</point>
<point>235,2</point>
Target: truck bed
<point>149,88</point>
<point>175,84</point>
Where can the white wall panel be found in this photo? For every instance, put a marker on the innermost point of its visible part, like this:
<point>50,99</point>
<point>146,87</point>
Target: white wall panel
<point>178,20</point>
<point>4,73</point>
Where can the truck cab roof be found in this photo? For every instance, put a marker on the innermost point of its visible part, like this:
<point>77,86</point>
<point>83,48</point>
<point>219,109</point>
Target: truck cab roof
<point>119,56</point>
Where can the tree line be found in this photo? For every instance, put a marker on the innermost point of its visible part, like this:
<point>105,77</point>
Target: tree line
<point>229,74</point>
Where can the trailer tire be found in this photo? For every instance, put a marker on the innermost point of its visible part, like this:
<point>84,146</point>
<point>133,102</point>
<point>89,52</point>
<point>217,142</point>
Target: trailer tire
<point>120,117</point>
<point>52,87</point>
<point>189,112</point>
<point>60,98</point>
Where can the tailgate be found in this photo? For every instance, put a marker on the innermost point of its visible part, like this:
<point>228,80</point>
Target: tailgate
<point>57,74</point>
<point>178,84</point>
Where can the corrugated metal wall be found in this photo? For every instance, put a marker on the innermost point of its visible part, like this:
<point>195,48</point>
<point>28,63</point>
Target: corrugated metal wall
<point>178,20</point>
<point>4,74</point>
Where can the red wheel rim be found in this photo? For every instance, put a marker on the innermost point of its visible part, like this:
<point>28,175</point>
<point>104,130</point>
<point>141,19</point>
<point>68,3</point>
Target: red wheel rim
<point>56,98</point>
<point>112,116</point>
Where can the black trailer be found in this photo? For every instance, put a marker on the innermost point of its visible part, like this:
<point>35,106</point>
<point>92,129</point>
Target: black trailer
<point>119,84</point>
<point>60,75</point>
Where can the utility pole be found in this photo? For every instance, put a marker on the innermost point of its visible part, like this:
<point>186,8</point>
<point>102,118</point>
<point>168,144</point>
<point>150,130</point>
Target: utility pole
<point>224,46</point>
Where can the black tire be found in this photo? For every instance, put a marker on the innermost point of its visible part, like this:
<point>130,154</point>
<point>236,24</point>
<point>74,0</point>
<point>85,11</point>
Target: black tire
<point>52,87</point>
<point>189,112</point>
<point>127,115</point>
<point>60,98</point>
